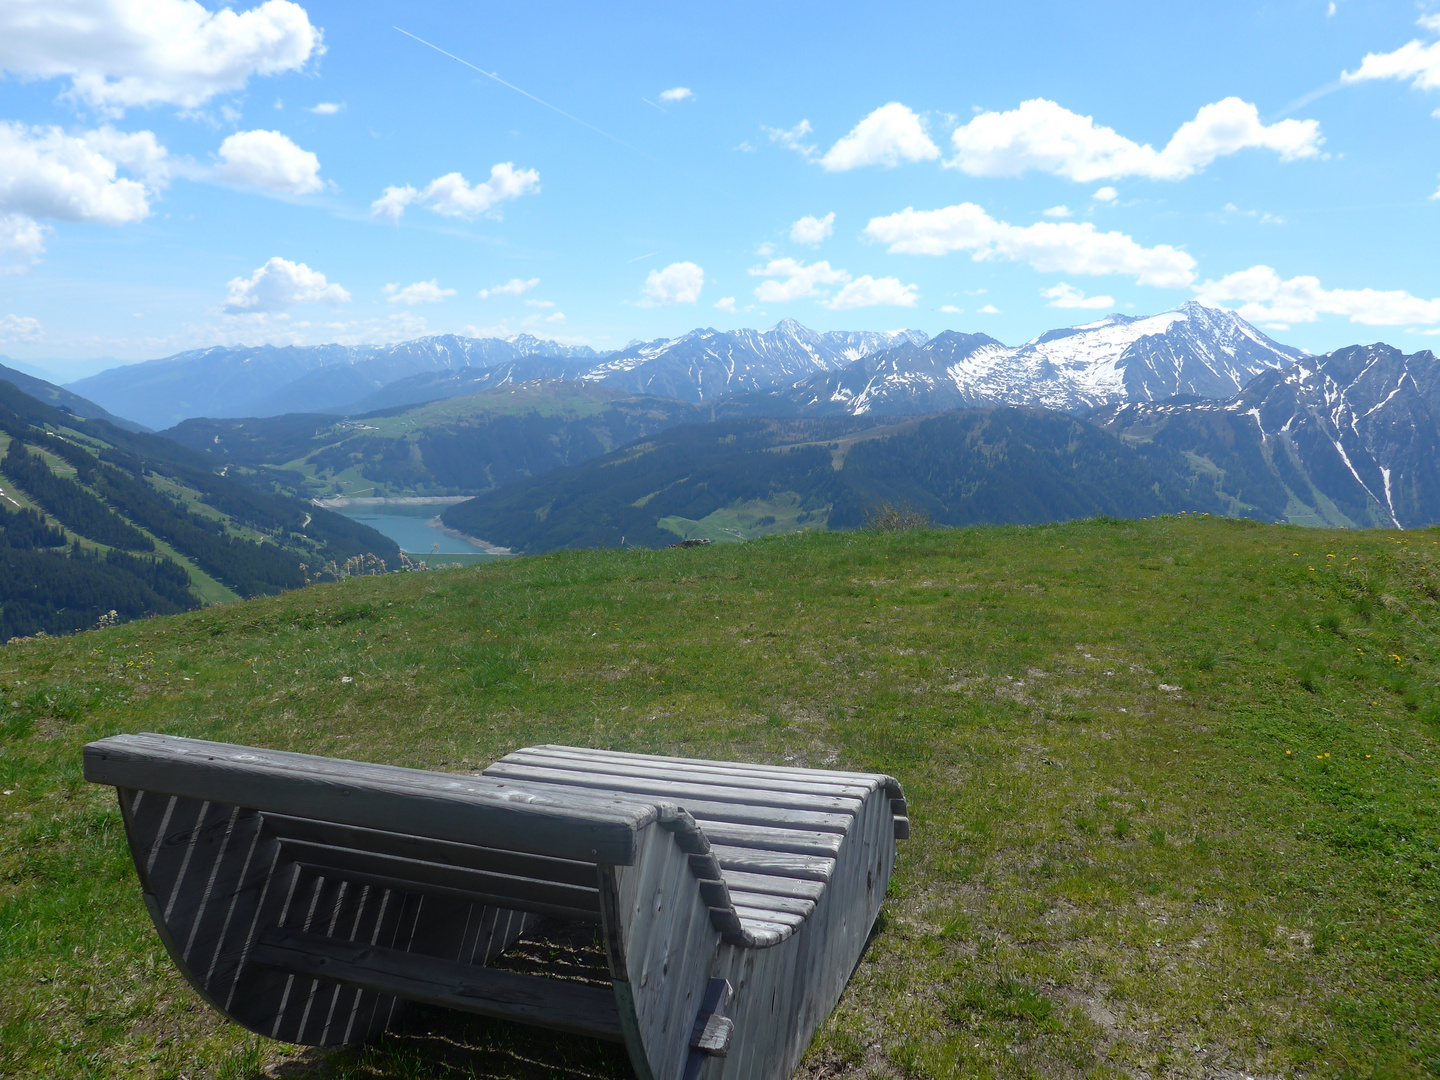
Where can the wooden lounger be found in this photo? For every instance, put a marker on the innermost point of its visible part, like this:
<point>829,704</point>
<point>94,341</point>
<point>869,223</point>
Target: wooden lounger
<point>309,898</point>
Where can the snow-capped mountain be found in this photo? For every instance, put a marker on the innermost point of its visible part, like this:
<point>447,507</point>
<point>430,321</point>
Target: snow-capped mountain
<point>1351,438</point>
<point>795,370</point>
<point>1190,350</point>
<point>707,364</point>
<point>910,378</point>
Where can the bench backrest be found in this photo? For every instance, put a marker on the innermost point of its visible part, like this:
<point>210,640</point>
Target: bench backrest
<point>476,811</point>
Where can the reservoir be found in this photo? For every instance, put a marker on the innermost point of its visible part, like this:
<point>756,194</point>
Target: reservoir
<point>409,524</point>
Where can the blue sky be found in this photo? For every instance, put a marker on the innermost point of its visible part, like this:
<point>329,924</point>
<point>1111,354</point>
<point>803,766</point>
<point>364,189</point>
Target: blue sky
<point>181,176</point>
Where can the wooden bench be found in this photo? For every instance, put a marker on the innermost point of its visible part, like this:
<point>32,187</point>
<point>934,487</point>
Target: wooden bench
<point>310,898</point>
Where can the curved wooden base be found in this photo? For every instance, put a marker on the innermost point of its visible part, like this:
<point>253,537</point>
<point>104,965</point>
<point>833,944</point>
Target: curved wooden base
<point>216,877</point>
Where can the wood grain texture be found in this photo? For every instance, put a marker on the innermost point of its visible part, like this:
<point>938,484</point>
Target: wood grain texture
<point>567,825</point>
<point>674,790</point>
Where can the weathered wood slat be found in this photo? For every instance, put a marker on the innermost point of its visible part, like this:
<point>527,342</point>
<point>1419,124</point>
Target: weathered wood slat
<point>781,771</point>
<point>475,857</point>
<point>495,888</point>
<point>562,1005</point>
<point>767,902</point>
<point>768,918</point>
<point>774,863</point>
<point>665,789</point>
<point>779,817</point>
<point>716,776</point>
<point>759,836</point>
<point>772,884</point>
<point>382,797</point>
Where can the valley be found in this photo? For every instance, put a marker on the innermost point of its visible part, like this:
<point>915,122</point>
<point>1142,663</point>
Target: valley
<point>100,525</point>
<point>724,437</point>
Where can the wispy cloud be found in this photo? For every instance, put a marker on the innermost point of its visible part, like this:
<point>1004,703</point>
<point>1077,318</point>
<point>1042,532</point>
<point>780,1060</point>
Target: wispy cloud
<point>513,287</point>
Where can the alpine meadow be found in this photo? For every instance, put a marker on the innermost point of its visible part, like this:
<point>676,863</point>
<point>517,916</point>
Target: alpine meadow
<point>775,542</point>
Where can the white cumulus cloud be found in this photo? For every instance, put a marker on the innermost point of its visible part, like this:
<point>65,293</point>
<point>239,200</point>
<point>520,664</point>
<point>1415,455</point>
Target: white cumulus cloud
<point>1042,136</point>
<point>1060,247</point>
<point>678,283</point>
<point>1106,194</point>
<point>1263,296</point>
<point>514,287</point>
<point>989,309</point>
<point>121,54</point>
<point>1057,212</point>
<point>792,279</point>
<point>268,161</point>
<point>19,328</point>
<point>558,317</point>
<point>281,284</point>
<point>326,108</point>
<point>889,135</point>
<point>867,291</point>
<point>1067,296</point>
<point>725,303</point>
<point>452,195</point>
<point>1415,60</point>
<point>951,309</point>
<point>812,230</point>
<point>422,292</point>
<point>676,93</point>
<point>45,173</point>
<point>540,303</point>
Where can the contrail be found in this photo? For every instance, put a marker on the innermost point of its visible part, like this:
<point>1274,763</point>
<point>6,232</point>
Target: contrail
<point>647,101</point>
<point>1306,99</point>
<point>647,255</point>
<point>532,97</point>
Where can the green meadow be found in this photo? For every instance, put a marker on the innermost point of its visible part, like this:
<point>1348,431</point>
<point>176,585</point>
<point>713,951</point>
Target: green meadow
<point>1174,785</point>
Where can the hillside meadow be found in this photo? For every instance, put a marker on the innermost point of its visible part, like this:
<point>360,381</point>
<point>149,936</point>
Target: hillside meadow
<point>1174,784</point>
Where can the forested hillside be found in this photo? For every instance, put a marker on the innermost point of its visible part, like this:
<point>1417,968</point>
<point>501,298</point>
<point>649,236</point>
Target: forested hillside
<point>744,478</point>
<point>458,446</point>
<point>97,520</point>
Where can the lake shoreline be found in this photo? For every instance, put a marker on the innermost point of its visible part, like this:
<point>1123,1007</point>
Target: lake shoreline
<point>483,545</point>
<point>378,500</point>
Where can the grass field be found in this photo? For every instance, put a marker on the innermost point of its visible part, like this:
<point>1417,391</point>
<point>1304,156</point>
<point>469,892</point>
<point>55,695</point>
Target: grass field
<point>1174,784</point>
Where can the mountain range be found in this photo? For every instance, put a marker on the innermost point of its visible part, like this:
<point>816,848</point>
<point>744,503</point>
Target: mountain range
<point>788,369</point>
<point>61,398</point>
<point>269,380</point>
<point>1190,350</point>
<point>1349,439</point>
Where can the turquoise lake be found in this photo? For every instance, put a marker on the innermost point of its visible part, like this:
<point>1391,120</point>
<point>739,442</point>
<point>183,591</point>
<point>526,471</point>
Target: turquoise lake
<point>405,523</point>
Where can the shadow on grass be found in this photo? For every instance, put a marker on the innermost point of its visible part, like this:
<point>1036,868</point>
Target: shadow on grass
<point>437,1044</point>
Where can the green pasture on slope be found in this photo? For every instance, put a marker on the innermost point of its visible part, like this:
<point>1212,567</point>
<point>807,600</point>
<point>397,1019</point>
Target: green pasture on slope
<point>1174,784</point>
